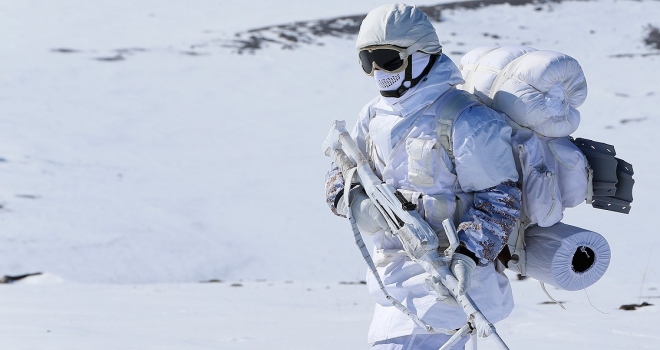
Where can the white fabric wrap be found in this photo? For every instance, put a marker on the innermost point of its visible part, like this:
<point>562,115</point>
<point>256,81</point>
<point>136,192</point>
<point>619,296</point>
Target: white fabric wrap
<point>412,160</point>
<point>554,175</point>
<point>550,253</point>
<point>537,89</point>
<point>399,25</point>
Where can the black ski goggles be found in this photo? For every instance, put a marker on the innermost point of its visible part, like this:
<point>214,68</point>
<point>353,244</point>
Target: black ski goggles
<point>388,58</point>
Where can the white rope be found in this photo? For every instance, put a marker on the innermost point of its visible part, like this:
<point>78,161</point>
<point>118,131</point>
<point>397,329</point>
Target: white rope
<point>549,296</point>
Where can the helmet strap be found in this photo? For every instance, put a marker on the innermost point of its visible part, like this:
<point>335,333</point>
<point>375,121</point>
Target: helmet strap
<point>408,81</point>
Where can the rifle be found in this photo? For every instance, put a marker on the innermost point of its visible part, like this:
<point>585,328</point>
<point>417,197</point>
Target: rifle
<point>419,240</point>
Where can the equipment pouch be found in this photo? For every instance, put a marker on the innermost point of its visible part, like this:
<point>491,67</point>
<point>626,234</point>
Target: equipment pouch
<point>571,169</point>
<point>421,153</point>
<point>612,177</point>
<point>554,176</point>
<point>542,201</point>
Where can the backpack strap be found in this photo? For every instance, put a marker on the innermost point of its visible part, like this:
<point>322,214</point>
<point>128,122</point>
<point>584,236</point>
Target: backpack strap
<point>456,104</point>
<point>516,246</point>
<point>452,109</point>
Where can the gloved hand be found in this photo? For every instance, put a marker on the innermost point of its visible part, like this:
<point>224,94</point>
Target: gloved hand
<point>367,217</point>
<point>462,266</point>
<point>483,329</point>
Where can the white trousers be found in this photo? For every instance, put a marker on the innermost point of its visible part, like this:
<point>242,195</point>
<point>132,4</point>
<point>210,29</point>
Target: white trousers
<point>418,342</point>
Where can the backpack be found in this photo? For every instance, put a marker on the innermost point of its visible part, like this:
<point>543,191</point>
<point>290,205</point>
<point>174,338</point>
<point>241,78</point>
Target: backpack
<point>539,92</point>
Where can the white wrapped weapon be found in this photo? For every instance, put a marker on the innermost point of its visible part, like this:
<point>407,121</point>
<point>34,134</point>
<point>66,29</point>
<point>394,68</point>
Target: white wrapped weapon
<point>419,240</point>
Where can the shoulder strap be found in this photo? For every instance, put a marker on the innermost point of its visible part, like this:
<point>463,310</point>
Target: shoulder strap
<point>455,104</point>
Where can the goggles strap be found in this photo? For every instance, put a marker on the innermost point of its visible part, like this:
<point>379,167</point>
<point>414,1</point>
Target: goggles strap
<point>403,88</point>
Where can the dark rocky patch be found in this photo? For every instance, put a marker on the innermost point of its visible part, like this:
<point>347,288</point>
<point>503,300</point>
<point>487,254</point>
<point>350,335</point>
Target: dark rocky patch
<point>27,196</point>
<point>12,279</point>
<point>632,120</point>
<point>652,40</point>
<point>130,50</point>
<point>65,50</point>
<point>193,53</point>
<point>494,36</point>
<point>292,35</point>
<point>121,54</point>
<point>652,37</point>
<point>631,307</point>
<point>631,55</point>
<point>115,58</point>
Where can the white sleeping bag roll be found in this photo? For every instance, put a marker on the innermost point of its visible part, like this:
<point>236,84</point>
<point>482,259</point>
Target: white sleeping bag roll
<point>537,89</point>
<point>565,256</point>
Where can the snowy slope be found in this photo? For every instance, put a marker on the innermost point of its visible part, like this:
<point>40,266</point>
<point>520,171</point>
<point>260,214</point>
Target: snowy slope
<point>135,148</point>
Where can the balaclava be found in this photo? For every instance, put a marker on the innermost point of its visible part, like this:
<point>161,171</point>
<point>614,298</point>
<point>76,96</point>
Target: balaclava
<point>392,81</point>
<point>403,26</point>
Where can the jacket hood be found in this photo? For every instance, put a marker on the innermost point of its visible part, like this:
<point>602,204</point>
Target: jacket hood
<point>399,25</point>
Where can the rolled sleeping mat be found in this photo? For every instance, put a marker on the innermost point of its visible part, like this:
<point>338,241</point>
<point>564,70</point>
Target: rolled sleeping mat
<point>565,256</point>
<point>538,89</point>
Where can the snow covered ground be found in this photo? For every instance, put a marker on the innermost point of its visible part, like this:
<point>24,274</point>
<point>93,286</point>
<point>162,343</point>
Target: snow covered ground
<point>44,313</point>
<point>138,157</point>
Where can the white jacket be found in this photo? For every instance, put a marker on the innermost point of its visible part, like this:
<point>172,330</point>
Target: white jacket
<point>477,190</point>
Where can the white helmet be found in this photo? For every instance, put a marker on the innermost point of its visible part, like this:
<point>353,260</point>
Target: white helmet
<point>399,25</point>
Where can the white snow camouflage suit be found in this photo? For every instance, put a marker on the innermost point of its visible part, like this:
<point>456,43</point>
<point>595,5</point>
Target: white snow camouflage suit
<point>477,190</point>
